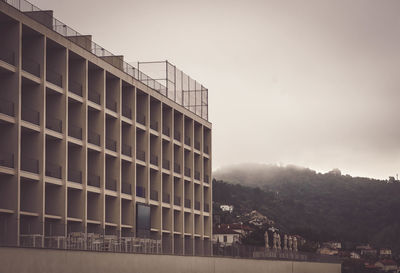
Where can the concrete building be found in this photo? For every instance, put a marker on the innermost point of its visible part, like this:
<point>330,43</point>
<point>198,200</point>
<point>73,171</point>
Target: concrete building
<point>90,144</point>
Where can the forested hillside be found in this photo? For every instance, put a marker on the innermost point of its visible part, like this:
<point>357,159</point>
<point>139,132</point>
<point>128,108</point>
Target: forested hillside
<point>319,207</point>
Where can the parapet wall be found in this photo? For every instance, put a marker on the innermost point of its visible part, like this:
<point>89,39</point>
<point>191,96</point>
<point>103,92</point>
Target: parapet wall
<point>24,260</point>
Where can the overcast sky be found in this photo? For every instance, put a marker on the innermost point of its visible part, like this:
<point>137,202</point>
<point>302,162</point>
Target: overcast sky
<point>313,83</point>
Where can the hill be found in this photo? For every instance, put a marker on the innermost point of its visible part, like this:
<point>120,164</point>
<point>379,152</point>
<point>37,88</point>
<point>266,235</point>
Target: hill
<point>319,207</point>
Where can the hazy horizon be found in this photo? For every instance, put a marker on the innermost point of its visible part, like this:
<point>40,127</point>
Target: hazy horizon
<point>312,83</point>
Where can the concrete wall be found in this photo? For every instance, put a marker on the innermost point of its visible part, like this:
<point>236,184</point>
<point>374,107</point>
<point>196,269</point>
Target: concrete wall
<point>24,260</point>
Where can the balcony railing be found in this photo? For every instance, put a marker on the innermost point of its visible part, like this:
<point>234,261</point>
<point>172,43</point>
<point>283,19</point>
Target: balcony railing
<point>7,107</point>
<point>111,184</point>
<point>154,159</point>
<point>30,115</point>
<point>31,66</point>
<point>94,96</point>
<point>154,125</point>
<point>126,150</point>
<point>187,140</point>
<point>141,155</point>
<point>177,135</point>
<point>126,188</point>
<point>197,145</point>
<point>197,205</point>
<point>29,164</point>
<point>206,207</point>
<point>93,180</point>
<point>166,131</point>
<point>54,124</point>
<point>197,175</point>
<point>7,55</point>
<point>188,203</point>
<point>94,138</point>
<point>126,111</point>
<point>74,175</point>
<point>111,104</point>
<point>54,77</point>
<point>53,170</point>
<point>187,171</point>
<point>154,195</point>
<point>166,198</point>
<point>141,119</point>
<point>111,144</point>
<point>165,164</point>
<point>75,87</point>
<point>206,149</point>
<point>177,168</point>
<point>140,191</point>
<point>75,131</point>
<point>177,200</point>
<point>7,160</point>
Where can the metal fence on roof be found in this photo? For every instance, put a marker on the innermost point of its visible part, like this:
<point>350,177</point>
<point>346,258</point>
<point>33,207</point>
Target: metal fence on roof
<point>177,86</point>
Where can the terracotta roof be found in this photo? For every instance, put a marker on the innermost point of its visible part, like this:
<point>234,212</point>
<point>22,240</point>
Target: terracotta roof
<point>224,229</point>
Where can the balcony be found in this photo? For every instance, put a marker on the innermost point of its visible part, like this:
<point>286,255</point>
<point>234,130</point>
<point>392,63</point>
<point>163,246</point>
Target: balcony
<point>75,87</point>
<point>165,164</point>
<point>206,207</point>
<point>188,203</point>
<point>111,105</point>
<point>206,149</point>
<point>141,155</point>
<point>54,124</point>
<point>30,115</point>
<point>187,171</point>
<point>53,170</point>
<point>111,184</point>
<point>126,150</point>
<point>166,131</point>
<point>74,175</point>
<point>140,191</point>
<point>177,168</point>
<point>54,77</point>
<point>75,131</point>
<point>154,195</point>
<point>94,138</point>
<point>126,188</point>
<point>126,111</point>
<point>7,160</point>
<point>94,96</point>
<point>197,205</point>
<point>177,136</point>
<point>154,160</point>
<point>141,119</point>
<point>197,145</point>
<point>111,144</point>
<point>197,175</point>
<point>93,180</point>
<point>206,178</point>
<point>166,198</point>
<point>154,125</point>
<point>177,200</point>
<point>187,140</point>
<point>29,164</point>
<point>31,66</point>
<point>7,107</point>
<point>7,55</point>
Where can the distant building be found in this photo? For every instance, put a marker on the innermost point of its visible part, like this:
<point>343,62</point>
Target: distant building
<point>385,252</point>
<point>367,250</point>
<point>228,208</point>
<point>333,245</point>
<point>225,235</point>
<point>327,251</point>
<point>354,255</point>
<point>387,266</point>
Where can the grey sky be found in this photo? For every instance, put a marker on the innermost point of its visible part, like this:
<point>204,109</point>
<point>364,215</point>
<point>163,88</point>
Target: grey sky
<point>313,83</point>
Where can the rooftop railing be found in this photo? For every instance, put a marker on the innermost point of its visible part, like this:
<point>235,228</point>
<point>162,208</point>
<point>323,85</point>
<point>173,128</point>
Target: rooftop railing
<point>183,85</point>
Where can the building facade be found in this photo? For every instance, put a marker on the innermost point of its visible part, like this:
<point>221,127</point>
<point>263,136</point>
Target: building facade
<point>88,146</point>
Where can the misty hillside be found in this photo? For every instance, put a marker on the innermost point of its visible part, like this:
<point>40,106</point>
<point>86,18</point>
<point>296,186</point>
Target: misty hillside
<point>320,207</point>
